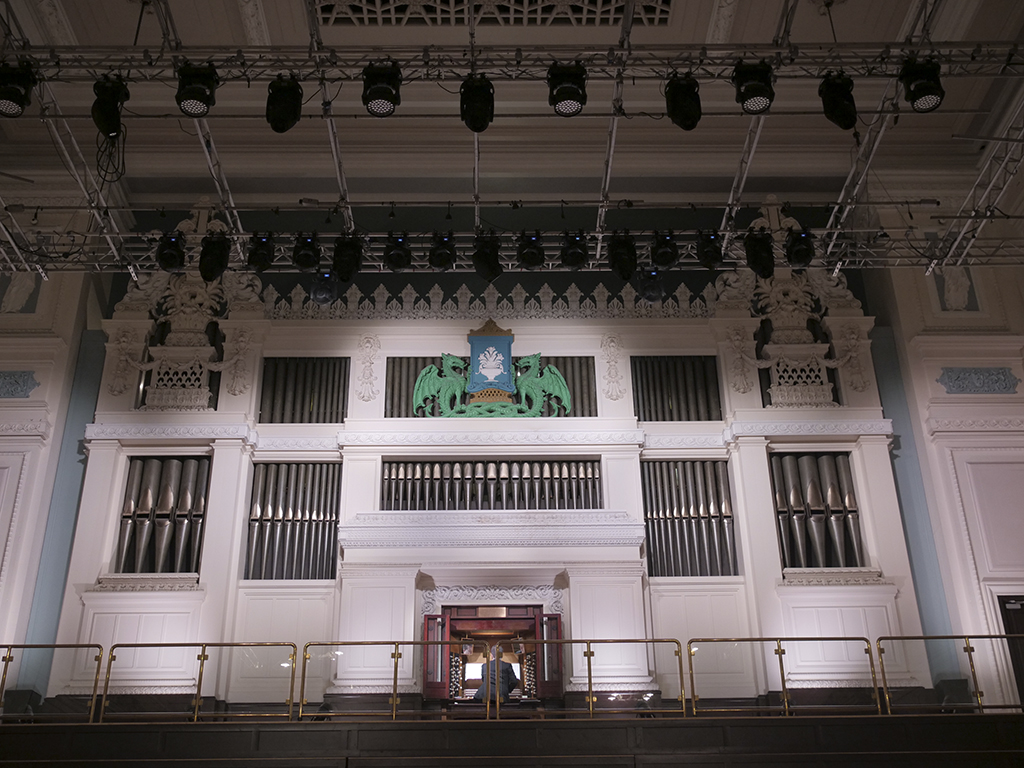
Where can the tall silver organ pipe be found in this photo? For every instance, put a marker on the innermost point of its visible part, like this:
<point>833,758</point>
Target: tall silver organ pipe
<point>688,516</point>
<point>293,521</point>
<point>819,524</point>
<point>162,515</point>
<point>675,388</point>
<point>304,390</point>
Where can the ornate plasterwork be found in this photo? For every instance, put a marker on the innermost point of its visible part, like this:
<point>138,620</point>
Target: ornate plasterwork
<point>978,381</point>
<point>237,366</point>
<point>128,346</point>
<point>975,425</point>
<point>369,346</point>
<point>956,288</point>
<point>611,437</point>
<point>611,353</point>
<point>157,432</point>
<point>161,582</point>
<point>17,383</point>
<point>831,577</point>
<point>550,597</point>
<point>26,428</point>
<point>685,441</point>
<point>254,23</point>
<point>297,443</point>
<point>18,292</point>
<point>798,428</point>
<point>742,364</point>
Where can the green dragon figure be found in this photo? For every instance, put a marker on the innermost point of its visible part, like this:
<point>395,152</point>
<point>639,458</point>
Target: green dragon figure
<point>533,387</point>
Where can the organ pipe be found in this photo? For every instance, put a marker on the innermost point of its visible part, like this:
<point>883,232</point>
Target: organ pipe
<point>301,390</point>
<point>676,388</point>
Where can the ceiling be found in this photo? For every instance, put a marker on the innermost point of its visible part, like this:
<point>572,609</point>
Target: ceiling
<point>910,182</point>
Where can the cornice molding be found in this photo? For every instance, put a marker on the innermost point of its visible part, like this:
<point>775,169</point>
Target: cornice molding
<point>148,582</point>
<point>524,437</point>
<point>685,441</point>
<point>550,597</point>
<point>976,425</point>
<point>809,428</point>
<point>26,428</point>
<point>157,432</point>
<point>297,443</point>
<point>832,577</point>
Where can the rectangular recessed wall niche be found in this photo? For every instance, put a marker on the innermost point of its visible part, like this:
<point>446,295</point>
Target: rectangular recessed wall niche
<point>304,390</point>
<point>675,388</point>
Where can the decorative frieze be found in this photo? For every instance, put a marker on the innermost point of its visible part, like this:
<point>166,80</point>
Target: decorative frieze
<point>978,381</point>
<point>25,428</point>
<point>369,346</point>
<point>548,596</point>
<point>160,432</point>
<point>808,428</point>
<point>525,437</point>
<point>611,353</point>
<point>148,582</point>
<point>17,384</point>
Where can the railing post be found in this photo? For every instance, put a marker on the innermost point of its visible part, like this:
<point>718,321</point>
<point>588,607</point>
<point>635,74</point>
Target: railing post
<point>691,652</point>
<point>7,659</point>
<point>111,658</point>
<point>396,655</point>
<point>302,680</point>
<point>780,652</point>
<point>589,654</point>
<point>678,650</point>
<point>881,668</point>
<point>197,702</point>
<point>291,685</point>
<point>98,658</point>
<point>874,680</point>
<point>978,693</point>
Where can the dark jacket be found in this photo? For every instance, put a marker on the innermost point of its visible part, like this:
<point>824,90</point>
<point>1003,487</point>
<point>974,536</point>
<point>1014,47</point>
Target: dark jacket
<point>508,682</point>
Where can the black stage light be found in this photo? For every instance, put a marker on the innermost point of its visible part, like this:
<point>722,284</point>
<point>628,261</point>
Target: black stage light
<point>170,252</point>
<point>652,288</point>
<point>284,103</point>
<point>197,86</point>
<point>567,88</point>
<point>111,94</point>
<point>799,248</point>
<point>476,103</point>
<point>530,251</point>
<point>397,255</point>
<point>348,257</point>
<point>574,251</point>
<point>487,256</point>
<point>261,251</point>
<point>664,251</point>
<point>381,88</point>
<point>760,257</point>
<point>324,289</point>
<point>682,101</point>
<point>214,254</point>
<point>709,249</point>
<point>622,254</point>
<point>16,84</point>
<point>753,86</point>
<point>306,253</point>
<point>836,92</point>
<point>921,85</point>
<point>441,255</point>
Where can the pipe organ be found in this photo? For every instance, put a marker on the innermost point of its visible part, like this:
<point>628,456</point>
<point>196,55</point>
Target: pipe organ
<point>304,390</point>
<point>688,516</point>
<point>676,388</point>
<point>508,484</point>
<point>293,521</point>
<point>162,515</point>
<point>818,521</point>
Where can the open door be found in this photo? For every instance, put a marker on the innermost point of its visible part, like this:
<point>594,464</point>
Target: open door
<point>436,658</point>
<point>549,657</point>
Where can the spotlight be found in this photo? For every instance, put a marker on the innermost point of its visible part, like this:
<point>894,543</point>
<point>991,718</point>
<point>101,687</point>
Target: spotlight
<point>622,254</point>
<point>111,94</point>
<point>348,257</point>
<point>652,289</point>
<point>170,252</point>
<point>760,258</point>
<point>476,103</point>
<point>530,251</point>
<point>799,248</point>
<point>381,84</point>
<point>682,101</point>
<point>753,86</point>
<point>567,88</point>
<point>261,251</point>
<point>324,289</point>
<point>284,103</point>
<point>664,251</point>
<point>397,255</point>
<point>709,249</point>
<point>306,254</point>
<point>921,85</point>
<point>16,85</point>
<point>196,89</point>
<point>836,92</point>
<point>441,255</point>
<point>487,256</point>
<point>574,251</point>
<point>214,253</point>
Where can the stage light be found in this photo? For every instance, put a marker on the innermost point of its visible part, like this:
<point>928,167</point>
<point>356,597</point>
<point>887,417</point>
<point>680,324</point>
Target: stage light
<point>836,92</point>
<point>709,249</point>
<point>476,103</point>
<point>622,254</point>
<point>652,288</point>
<point>799,248</point>
<point>530,251</point>
<point>170,252</point>
<point>574,250</point>
<point>753,86</point>
<point>111,94</point>
<point>261,251</point>
<point>441,255</point>
<point>664,251</point>
<point>348,257</point>
<point>397,255</point>
<point>306,253</point>
<point>487,256</point>
<point>381,88</point>
<point>921,85</point>
<point>197,86</point>
<point>214,254</point>
<point>760,257</point>
<point>284,103</point>
<point>16,84</point>
<point>567,88</point>
<point>324,289</point>
<point>682,101</point>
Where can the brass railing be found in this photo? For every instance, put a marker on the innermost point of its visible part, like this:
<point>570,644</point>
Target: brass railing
<point>8,658</point>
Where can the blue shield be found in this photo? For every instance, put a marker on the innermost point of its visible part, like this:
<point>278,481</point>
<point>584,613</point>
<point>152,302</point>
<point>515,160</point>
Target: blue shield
<point>490,364</point>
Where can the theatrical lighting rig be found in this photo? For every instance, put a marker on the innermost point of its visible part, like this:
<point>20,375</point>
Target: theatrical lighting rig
<point>754,89</point>
<point>682,101</point>
<point>382,85</point>
<point>323,290</point>
<point>111,94</point>
<point>836,92</point>
<point>921,85</point>
<point>567,88</point>
<point>799,248</point>
<point>348,257</point>
<point>306,253</point>
<point>442,255</point>
<point>284,103</point>
<point>652,287</point>
<point>487,256</point>
<point>757,244</point>
<point>170,252</point>
<point>709,249</point>
<point>16,84</point>
<point>261,251</point>
<point>476,103</point>
<point>664,251</point>
<point>397,254</point>
<point>574,253</point>
<point>214,254</point>
<point>197,87</point>
<point>622,254</point>
<point>530,251</point>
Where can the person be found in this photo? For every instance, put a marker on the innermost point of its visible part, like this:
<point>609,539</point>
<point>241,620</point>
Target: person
<point>505,683</point>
